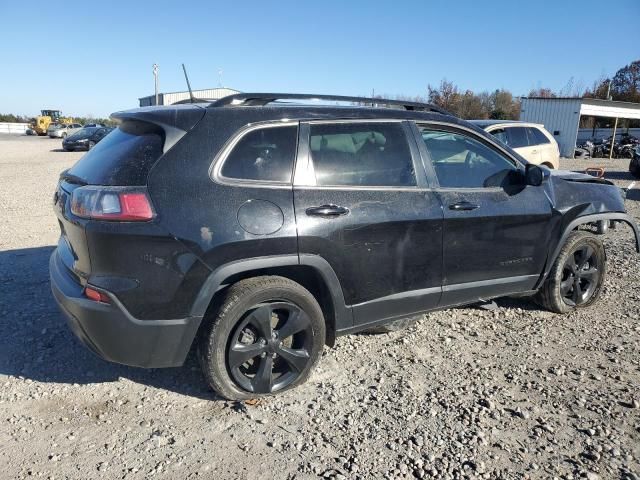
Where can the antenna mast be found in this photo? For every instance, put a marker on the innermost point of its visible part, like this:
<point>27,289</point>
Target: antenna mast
<point>188,84</point>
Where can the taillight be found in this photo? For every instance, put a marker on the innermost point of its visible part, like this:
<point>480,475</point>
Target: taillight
<point>95,295</point>
<point>130,204</point>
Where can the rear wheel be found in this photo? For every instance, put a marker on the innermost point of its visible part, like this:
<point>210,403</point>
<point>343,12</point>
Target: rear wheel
<point>266,337</point>
<point>576,278</point>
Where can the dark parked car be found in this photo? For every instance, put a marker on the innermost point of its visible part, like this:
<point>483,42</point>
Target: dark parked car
<point>260,231</point>
<point>85,139</point>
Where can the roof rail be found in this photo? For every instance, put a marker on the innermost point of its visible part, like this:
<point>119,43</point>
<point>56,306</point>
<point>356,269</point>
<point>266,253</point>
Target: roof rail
<point>261,99</point>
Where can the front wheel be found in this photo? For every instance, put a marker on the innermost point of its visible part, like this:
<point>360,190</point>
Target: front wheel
<point>576,278</point>
<point>91,145</point>
<point>267,335</point>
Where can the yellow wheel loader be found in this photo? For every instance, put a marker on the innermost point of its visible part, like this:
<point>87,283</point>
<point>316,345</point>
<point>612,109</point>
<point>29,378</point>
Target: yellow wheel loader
<point>48,117</point>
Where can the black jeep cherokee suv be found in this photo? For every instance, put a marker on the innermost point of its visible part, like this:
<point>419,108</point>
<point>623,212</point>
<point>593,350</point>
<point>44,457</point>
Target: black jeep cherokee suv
<point>261,230</point>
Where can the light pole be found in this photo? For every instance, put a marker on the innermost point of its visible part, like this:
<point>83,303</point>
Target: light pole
<point>155,75</point>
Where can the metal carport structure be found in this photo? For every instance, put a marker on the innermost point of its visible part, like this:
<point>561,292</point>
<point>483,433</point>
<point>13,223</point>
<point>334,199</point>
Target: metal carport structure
<point>561,116</point>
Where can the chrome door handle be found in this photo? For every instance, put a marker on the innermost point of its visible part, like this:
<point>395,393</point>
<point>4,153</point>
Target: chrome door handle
<point>463,206</point>
<point>327,211</point>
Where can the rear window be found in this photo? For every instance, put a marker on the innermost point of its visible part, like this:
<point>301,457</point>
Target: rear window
<point>536,137</point>
<point>124,157</point>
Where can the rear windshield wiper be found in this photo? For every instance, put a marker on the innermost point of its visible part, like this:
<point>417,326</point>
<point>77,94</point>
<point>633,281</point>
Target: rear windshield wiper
<point>71,178</point>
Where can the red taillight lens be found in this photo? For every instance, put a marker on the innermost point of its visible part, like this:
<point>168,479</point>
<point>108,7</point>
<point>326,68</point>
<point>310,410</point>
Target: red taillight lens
<point>95,295</point>
<point>112,203</point>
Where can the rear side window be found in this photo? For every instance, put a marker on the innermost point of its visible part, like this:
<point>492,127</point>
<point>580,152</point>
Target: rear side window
<point>517,137</point>
<point>265,154</point>
<point>361,154</point>
<point>536,137</point>
<point>123,157</point>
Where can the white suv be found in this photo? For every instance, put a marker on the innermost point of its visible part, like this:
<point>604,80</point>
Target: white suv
<point>531,140</point>
<point>63,130</point>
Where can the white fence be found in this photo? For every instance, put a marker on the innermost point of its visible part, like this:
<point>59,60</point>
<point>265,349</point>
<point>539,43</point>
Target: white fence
<point>18,128</point>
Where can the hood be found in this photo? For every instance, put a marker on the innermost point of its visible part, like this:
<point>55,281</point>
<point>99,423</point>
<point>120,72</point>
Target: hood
<point>570,176</point>
<point>582,194</point>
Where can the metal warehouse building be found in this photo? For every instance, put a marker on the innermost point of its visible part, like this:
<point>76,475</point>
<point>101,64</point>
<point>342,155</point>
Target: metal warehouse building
<point>561,116</point>
<point>173,97</point>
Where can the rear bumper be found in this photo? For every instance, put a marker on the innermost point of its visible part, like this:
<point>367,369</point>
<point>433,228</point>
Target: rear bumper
<point>112,333</point>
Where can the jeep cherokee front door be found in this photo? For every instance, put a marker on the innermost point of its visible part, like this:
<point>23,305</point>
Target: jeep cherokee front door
<point>495,226</point>
<point>362,203</point>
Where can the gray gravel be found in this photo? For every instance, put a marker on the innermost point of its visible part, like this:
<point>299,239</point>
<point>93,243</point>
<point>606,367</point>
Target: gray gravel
<point>516,392</point>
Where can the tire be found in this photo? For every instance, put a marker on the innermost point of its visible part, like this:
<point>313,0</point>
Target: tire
<point>238,329</point>
<point>391,327</point>
<point>64,135</point>
<point>568,286</point>
<point>91,145</point>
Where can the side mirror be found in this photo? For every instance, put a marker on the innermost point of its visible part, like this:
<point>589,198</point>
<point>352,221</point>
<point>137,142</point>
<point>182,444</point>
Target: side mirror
<point>534,175</point>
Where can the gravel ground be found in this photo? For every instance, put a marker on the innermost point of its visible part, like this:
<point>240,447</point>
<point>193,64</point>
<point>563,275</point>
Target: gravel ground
<point>516,392</point>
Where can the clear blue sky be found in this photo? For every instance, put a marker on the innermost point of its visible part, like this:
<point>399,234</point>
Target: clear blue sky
<point>95,57</point>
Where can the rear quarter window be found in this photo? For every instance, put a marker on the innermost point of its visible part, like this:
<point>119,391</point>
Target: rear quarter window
<point>265,154</point>
<point>536,137</point>
<point>123,157</point>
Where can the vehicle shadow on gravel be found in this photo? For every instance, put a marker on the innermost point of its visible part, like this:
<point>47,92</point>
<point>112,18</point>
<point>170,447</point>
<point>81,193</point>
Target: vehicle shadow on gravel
<point>36,343</point>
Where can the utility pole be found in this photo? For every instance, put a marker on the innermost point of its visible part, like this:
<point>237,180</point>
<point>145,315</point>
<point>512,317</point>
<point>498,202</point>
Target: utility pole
<point>155,75</point>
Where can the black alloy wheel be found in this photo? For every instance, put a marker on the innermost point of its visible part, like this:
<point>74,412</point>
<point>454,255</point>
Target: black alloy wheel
<point>270,347</point>
<point>577,275</point>
<point>580,276</point>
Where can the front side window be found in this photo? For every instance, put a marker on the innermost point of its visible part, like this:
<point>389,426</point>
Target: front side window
<point>536,137</point>
<point>517,137</point>
<point>464,162</point>
<point>265,154</point>
<point>373,154</point>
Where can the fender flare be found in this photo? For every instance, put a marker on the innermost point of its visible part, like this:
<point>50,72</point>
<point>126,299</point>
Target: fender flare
<point>215,282</point>
<point>622,217</point>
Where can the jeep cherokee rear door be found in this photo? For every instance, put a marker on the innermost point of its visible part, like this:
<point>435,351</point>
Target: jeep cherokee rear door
<point>362,203</point>
<point>496,228</point>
